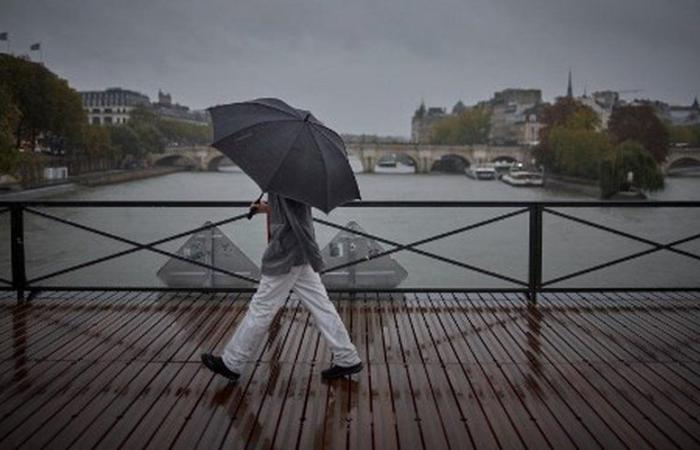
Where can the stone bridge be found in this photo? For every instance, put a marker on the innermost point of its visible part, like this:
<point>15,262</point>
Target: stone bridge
<point>203,158</point>
<point>422,157</point>
<point>681,158</point>
<point>425,157</point>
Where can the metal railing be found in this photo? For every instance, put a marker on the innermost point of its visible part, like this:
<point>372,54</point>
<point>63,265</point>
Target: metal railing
<point>533,285</point>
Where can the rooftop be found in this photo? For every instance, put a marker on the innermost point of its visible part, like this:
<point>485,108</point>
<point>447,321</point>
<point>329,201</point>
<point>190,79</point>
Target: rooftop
<point>458,370</point>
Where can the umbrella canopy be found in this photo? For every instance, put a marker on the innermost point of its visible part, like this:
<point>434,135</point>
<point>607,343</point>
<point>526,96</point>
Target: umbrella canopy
<point>286,151</point>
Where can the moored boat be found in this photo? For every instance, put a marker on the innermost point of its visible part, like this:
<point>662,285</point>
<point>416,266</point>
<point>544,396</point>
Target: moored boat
<point>523,178</point>
<point>481,173</point>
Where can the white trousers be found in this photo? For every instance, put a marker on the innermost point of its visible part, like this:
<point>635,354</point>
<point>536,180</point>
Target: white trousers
<point>270,296</point>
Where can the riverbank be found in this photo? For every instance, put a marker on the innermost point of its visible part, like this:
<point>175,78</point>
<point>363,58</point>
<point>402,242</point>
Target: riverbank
<point>17,191</point>
<point>590,188</point>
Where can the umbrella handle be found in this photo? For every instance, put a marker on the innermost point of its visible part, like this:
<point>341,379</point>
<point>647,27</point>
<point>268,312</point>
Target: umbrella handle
<point>251,211</point>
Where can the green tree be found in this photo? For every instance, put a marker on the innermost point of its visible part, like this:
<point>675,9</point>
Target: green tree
<point>627,158</point>
<point>640,124</point>
<point>566,113</point>
<point>182,133</point>
<point>49,107</point>
<point>578,151</point>
<point>125,141</point>
<point>469,127</point>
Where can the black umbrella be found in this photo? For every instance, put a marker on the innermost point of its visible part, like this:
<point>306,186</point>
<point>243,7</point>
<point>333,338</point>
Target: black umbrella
<point>286,151</point>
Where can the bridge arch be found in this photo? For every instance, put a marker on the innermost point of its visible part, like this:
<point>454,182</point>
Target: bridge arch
<point>175,159</point>
<point>450,163</point>
<point>394,162</point>
<point>504,158</point>
<point>213,164</point>
<point>683,162</point>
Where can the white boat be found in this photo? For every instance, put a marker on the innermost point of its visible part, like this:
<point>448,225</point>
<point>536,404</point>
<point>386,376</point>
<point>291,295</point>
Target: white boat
<point>481,173</point>
<point>523,178</point>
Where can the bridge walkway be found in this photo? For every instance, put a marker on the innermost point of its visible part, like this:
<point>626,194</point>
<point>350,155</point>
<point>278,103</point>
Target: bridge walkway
<point>446,370</point>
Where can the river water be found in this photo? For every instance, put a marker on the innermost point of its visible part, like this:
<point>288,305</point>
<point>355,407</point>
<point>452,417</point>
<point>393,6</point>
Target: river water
<point>501,247</point>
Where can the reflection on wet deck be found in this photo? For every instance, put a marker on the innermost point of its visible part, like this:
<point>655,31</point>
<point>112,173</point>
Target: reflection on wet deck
<point>113,369</point>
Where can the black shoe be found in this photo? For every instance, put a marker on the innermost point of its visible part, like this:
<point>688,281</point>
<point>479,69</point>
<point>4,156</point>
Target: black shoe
<point>340,371</point>
<point>216,365</point>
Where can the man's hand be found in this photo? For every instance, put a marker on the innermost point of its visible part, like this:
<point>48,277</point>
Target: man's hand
<point>261,207</point>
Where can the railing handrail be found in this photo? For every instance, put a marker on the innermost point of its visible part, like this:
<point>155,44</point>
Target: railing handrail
<point>362,203</point>
<point>534,209</point>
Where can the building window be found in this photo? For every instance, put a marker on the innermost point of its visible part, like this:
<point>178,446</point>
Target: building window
<point>95,120</point>
<point>108,120</point>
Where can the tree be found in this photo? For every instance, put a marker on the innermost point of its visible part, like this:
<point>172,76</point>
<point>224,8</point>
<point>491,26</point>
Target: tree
<point>628,158</point>
<point>125,141</point>
<point>9,118</point>
<point>49,107</point>
<point>565,113</point>
<point>469,127</point>
<point>640,124</point>
<point>578,151</point>
<point>182,133</point>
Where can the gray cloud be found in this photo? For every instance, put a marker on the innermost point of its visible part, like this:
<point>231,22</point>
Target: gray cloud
<point>363,66</point>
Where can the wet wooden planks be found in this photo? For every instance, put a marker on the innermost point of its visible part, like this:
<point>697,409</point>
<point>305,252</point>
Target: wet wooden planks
<point>443,370</point>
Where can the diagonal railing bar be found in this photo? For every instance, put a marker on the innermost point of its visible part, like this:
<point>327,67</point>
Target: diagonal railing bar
<point>136,244</point>
<point>411,246</point>
<point>2,280</point>
<point>625,258</point>
<point>136,248</point>
<point>621,233</point>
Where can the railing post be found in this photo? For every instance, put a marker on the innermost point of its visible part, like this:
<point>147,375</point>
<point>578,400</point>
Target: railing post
<point>19,277</point>
<point>535,260</point>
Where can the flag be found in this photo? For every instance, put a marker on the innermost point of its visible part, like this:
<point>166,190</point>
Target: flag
<point>36,46</point>
<point>3,36</point>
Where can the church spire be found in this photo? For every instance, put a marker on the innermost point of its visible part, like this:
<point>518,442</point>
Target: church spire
<point>695,104</point>
<point>569,88</point>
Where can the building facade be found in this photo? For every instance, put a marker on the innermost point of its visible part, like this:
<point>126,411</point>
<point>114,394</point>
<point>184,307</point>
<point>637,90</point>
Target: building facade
<point>514,118</point>
<point>111,106</point>
<point>114,105</point>
<point>423,121</point>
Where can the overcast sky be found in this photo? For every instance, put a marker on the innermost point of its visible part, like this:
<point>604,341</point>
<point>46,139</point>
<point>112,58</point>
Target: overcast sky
<point>363,66</point>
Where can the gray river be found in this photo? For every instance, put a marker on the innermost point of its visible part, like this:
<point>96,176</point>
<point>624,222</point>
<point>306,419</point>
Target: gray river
<point>500,247</point>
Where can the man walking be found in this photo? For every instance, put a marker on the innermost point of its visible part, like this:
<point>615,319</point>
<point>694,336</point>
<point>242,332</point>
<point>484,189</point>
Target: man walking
<point>291,261</point>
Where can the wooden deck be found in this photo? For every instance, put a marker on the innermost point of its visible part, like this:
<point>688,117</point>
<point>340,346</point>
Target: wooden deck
<point>121,369</point>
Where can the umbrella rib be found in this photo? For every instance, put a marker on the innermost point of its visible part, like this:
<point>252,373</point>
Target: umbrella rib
<point>325,170</point>
<point>325,128</point>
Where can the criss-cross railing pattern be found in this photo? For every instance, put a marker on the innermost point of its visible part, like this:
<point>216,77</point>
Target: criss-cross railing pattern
<point>531,286</point>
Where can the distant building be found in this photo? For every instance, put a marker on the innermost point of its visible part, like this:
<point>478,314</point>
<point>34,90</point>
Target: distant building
<point>111,106</point>
<point>166,109</point>
<point>602,103</point>
<point>684,115</point>
<point>675,115</point>
<point>423,122</point>
<point>510,111</point>
<point>533,124</point>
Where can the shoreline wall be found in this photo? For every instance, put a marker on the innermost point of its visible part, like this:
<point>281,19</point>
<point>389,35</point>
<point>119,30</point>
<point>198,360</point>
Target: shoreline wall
<point>91,180</point>
<point>590,188</point>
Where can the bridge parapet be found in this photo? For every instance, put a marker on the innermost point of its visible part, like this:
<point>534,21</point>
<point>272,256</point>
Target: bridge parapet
<point>424,156</point>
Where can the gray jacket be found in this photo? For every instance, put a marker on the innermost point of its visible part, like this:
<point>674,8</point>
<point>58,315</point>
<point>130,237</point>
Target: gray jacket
<point>292,237</point>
